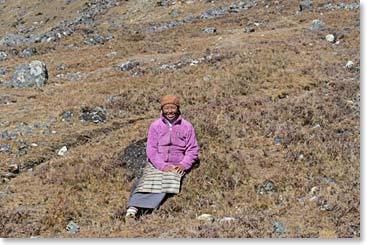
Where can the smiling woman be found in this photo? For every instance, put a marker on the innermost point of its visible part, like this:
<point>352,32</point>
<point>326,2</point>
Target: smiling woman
<point>172,149</point>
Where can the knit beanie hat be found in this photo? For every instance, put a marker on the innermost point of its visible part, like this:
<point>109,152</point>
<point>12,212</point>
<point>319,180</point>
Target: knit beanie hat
<point>170,99</point>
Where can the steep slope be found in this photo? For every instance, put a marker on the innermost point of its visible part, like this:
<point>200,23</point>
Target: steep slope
<point>275,108</point>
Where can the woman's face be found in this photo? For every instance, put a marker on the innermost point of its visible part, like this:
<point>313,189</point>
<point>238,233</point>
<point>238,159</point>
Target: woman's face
<point>170,111</point>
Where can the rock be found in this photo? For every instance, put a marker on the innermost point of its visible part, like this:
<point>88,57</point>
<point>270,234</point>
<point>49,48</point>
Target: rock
<point>21,149</point>
<point>163,3</point>
<point>206,217</point>
<point>165,26</point>
<point>209,30</point>
<point>112,54</point>
<point>227,220</point>
<point>13,168</point>
<point>66,115</point>
<point>214,13</point>
<point>72,227</point>
<point>7,100</point>
<point>28,52</point>
<point>317,25</point>
<point>278,227</point>
<point>3,56</point>
<point>62,151</point>
<point>328,180</point>
<point>8,175</point>
<point>307,4</point>
<point>277,140</point>
<point>266,187</point>
<point>30,75</point>
<point>350,6</point>
<point>314,190</point>
<point>330,38</point>
<point>5,124</point>
<point>61,67</point>
<point>121,114</point>
<point>3,71</point>
<point>13,40</point>
<point>249,30</point>
<point>73,76</point>
<point>349,65</point>
<point>134,158</point>
<point>207,78</point>
<point>95,39</point>
<point>6,149</point>
<point>95,115</point>
<point>175,13</point>
<point>5,135</point>
<point>324,205</point>
<point>127,66</point>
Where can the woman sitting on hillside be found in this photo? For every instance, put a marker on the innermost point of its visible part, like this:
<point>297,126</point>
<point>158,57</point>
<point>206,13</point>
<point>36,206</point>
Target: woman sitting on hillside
<point>172,149</point>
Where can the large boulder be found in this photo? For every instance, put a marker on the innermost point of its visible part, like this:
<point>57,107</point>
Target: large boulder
<point>29,75</point>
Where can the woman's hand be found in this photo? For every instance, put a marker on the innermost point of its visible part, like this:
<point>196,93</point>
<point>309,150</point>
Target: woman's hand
<point>174,169</point>
<point>170,169</point>
<point>179,169</point>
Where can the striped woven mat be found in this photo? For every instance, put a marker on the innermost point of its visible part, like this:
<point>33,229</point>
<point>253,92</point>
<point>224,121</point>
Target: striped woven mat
<point>155,181</point>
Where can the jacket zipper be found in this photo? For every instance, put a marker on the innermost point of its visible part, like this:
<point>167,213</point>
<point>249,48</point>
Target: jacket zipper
<point>169,146</point>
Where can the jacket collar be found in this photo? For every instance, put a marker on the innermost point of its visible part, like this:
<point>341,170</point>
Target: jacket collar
<point>177,121</point>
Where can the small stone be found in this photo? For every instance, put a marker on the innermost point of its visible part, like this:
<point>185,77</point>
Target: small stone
<point>277,140</point>
<point>266,187</point>
<point>62,151</point>
<point>13,168</point>
<point>6,149</point>
<point>121,114</point>
<point>66,115</point>
<point>330,38</point>
<point>314,190</point>
<point>62,67</point>
<point>5,124</point>
<point>28,52</point>
<point>112,54</point>
<point>72,227</point>
<point>209,30</point>
<point>227,220</point>
<point>278,227</point>
<point>95,115</point>
<point>249,30</point>
<point>349,64</point>
<point>5,135</point>
<point>207,78</point>
<point>317,25</point>
<point>127,66</point>
<point>3,71</point>
<point>307,4</point>
<point>206,217</point>
<point>3,56</point>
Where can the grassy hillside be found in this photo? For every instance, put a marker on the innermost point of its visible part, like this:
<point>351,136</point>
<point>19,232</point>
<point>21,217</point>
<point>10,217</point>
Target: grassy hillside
<point>271,100</point>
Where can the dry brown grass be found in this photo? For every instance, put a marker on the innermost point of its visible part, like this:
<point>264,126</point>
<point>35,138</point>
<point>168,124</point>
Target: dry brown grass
<point>280,81</point>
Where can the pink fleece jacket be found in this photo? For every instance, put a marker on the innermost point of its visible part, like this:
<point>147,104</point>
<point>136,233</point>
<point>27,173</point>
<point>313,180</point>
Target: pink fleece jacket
<point>172,145</point>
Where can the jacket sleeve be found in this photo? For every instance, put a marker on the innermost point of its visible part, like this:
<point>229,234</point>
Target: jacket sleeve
<point>152,148</point>
<point>192,150</point>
